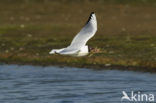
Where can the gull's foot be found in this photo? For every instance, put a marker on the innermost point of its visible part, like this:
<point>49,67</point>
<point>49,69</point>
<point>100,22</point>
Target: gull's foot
<point>94,50</point>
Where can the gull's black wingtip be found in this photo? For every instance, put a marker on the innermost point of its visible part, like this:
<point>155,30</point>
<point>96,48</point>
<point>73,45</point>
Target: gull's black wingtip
<point>90,17</point>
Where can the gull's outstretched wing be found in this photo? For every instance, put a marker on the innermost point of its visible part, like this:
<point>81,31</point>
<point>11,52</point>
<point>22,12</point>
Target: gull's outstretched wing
<point>81,38</point>
<point>86,33</point>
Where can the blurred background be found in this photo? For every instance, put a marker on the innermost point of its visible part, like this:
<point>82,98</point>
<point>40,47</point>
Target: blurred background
<point>126,33</point>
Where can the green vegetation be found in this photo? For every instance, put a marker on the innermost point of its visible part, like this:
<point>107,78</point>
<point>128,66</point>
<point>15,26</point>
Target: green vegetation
<point>126,33</point>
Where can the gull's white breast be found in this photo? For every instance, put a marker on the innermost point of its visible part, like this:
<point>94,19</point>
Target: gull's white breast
<point>82,52</point>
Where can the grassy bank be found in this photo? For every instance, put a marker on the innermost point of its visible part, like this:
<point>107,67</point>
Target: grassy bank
<point>126,33</point>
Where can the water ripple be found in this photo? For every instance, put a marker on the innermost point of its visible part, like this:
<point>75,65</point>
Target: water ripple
<point>35,84</point>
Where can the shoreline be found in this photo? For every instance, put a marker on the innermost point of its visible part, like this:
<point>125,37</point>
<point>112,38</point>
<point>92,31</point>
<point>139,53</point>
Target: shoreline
<point>87,66</point>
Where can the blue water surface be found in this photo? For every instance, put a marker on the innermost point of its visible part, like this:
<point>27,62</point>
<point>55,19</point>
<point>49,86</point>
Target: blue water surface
<point>36,84</point>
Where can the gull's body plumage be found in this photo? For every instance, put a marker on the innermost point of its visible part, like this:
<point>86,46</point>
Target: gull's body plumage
<point>78,45</point>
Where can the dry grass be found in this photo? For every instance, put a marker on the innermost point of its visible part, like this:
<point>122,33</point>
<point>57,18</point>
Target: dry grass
<point>126,32</point>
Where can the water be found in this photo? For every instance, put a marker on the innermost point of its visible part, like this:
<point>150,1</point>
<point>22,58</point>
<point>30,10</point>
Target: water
<point>35,84</point>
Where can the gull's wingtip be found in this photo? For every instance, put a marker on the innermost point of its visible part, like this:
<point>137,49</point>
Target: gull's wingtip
<point>92,12</point>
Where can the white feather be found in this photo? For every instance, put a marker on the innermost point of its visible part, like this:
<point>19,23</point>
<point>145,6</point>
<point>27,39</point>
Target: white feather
<point>86,33</point>
<point>78,45</point>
